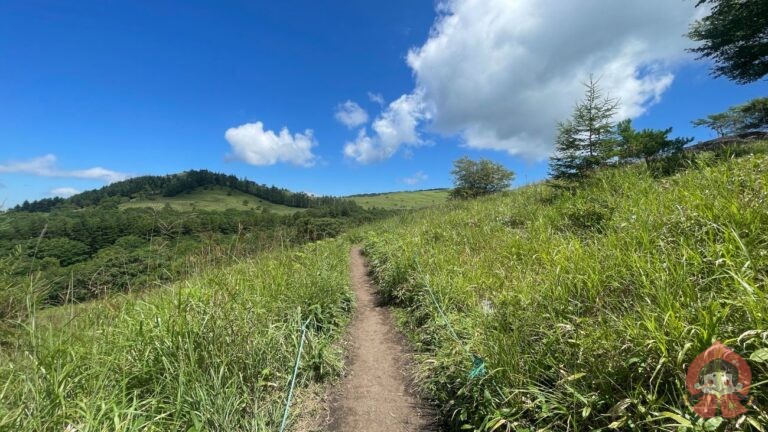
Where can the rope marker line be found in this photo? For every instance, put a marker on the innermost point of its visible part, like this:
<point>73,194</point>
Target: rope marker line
<point>445,318</point>
<point>293,378</point>
<point>478,363</point>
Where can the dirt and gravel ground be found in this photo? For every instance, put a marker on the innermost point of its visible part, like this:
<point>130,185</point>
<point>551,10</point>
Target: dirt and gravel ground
<point>375,395</point>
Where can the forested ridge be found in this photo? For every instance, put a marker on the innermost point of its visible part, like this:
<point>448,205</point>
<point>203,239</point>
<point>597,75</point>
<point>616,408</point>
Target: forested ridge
<point>176,184</point>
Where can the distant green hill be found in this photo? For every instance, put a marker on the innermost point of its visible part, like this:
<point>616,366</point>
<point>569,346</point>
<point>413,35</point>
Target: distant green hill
<point>149,190</point>
<point>206,190</point>
<point>214,198</point>
<point>402,200</point>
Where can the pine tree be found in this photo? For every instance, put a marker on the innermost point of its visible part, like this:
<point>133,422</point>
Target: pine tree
<point>734,35</point>
<point>588,140</point>
<point>647,144</point>
<point>566,164</point>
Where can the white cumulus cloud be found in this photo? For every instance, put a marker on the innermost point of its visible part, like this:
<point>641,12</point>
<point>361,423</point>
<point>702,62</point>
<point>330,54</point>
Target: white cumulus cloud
<point>501,73</point>
<point>252,144</point>
<point>64,192</point>
<point>351,115</point>
<point>393,128</point>
<point>45,166</point>
<point>416,178</point>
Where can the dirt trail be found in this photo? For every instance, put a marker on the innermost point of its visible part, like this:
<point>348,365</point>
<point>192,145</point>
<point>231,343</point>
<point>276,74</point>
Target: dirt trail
<point>375,394</point>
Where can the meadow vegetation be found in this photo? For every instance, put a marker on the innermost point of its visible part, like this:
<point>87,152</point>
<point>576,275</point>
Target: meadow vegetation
<point>213,353</point>
<point>85,345</point>
<point>586,305</point>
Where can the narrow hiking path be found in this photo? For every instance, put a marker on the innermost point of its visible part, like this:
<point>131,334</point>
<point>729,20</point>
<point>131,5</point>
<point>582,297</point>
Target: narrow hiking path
<point>375,393</point>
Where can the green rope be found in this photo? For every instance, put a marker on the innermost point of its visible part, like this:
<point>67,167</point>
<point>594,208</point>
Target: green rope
<point>445,318</point>
<point>293,378</point>
<point>478,363</point>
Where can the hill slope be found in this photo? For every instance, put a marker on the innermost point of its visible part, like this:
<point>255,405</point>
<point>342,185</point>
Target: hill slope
<point>175,185</point>
<point>212,198</point>
<point>585,309</point>
<point>402,200</point>
<point>206,190</point>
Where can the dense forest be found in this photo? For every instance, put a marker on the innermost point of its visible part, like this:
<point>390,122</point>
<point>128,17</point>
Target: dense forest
<point>87,246</point>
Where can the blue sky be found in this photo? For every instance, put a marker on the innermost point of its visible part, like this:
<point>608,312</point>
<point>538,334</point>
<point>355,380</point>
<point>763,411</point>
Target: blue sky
<point>93,91</point>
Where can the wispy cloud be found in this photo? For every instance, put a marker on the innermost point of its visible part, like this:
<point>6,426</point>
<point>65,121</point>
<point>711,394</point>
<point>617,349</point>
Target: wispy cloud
<point>45,166</point>
<point>417,178</point>
<point>64,192</point>
<point>351,115</point>
<point>377,98</point>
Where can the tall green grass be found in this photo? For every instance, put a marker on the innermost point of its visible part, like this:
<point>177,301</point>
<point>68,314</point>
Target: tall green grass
<point>586,307</point>
<point>213,353</point>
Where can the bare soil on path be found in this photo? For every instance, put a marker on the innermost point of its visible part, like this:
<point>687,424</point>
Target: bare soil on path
<point>375,395</point>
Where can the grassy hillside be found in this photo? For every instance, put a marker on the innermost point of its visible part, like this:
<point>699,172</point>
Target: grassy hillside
<point>214,353</point>
<point>221,198</point>
<point>586,308</point>
<point>174,185</point>
<point>402,200</point>
<point>212,198</point>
